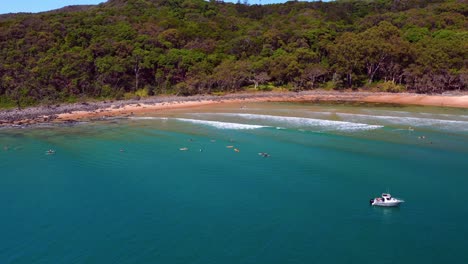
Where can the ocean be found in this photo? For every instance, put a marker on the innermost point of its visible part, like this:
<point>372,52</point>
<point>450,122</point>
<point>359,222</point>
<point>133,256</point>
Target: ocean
<point>239,183</point>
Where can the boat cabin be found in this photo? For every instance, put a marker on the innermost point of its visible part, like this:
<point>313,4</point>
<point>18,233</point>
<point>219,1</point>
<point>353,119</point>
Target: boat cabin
<point>386,196</point>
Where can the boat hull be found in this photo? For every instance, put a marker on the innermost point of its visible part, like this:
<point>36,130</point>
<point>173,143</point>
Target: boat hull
<point>386,204</point>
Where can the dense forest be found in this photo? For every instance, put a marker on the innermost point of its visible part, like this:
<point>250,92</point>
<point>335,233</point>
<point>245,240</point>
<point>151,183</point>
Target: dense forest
<point>131,48</point>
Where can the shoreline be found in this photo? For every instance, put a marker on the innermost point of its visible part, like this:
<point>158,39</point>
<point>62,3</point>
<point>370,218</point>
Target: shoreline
<point>67,113</point>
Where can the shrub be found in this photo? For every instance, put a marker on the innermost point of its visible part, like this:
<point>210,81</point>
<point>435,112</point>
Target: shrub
<point>218,93</point>
<point>142,92</point>
<point>131,96</point>
<point>106,91</point>
<point>390,87</point>
<point>265,87</point>
<point>330,85</point>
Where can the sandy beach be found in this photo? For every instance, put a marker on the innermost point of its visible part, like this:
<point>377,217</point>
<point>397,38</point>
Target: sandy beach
<point>93,110</point>
<point>460,101</point>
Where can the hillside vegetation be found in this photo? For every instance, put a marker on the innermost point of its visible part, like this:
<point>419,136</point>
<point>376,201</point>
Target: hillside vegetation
<point>126,48</point>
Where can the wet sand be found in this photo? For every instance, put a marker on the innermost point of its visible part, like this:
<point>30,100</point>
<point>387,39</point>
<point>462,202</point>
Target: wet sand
<point>94,110</point>
<point>460,101</point>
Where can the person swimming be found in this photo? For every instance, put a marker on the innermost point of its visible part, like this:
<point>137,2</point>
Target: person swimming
<point>50,152</point>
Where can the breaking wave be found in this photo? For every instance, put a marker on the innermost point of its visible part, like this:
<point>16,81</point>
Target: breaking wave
<point>409,121</point>
<point>302,122</point>
<point>220,125</point>
<point>393,113</point>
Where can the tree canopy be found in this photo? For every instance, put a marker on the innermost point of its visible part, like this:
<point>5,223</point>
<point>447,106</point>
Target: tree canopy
<point>188,47</point>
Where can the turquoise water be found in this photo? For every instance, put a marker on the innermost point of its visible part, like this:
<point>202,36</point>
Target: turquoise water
<point>122,191</point>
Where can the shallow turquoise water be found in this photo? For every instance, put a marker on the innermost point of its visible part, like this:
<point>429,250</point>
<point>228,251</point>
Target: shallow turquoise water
<point>90,202</point>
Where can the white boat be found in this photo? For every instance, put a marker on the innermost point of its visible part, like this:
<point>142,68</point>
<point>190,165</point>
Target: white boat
<point>386,200</point>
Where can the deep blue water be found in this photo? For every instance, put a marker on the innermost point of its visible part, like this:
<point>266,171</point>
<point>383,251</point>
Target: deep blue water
<point>122,191</point>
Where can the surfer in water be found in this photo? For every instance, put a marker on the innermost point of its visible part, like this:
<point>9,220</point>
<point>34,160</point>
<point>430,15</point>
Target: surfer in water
<point>50,152</point>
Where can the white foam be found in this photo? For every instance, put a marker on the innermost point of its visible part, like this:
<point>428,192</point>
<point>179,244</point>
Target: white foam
<point>447,116</point>
<point>387,112</point>
<point>302,122</point>
<point>220,125</point>
<point>411,121</point>
<point>454,117</point>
